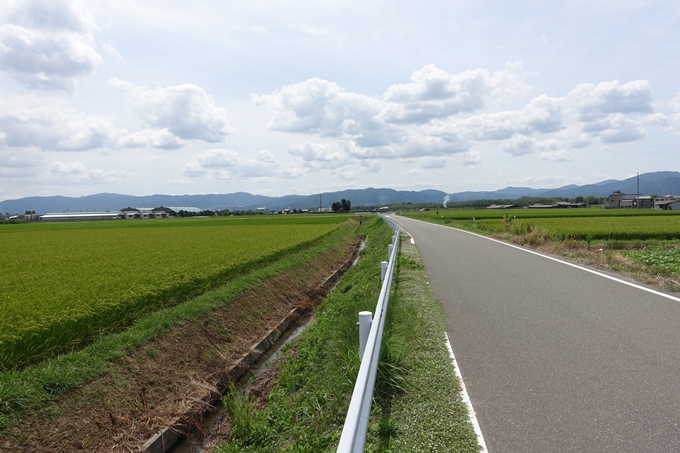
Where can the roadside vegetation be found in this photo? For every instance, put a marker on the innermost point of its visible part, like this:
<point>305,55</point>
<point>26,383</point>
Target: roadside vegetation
<point>417,405</point>
<point>64,284</point>
<point>642,244</point>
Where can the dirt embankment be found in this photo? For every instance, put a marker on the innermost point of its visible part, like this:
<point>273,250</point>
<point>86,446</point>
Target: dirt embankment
<point>174,375</point>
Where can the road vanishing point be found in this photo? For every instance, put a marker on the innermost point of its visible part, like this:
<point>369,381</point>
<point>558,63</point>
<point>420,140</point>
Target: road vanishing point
<point>555,358</point>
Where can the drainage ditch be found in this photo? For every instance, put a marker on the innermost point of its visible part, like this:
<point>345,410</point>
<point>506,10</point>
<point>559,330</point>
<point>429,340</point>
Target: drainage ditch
<point>178,439</point>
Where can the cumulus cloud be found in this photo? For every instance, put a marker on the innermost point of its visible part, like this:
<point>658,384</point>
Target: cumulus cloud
<point>15,159</point>
<point>438,114</point>
<point>433,162</point>
<point>371,166</point>
<point>68,168</point>
<point>519,146</point>
<point>50,124</point>
<point>48,44</point>
<point>596,101</point>
<point>616,128</point>
<point>389,127</point>
<point>77,172</point>
<point>434,93</point>
<point>318,155</point>
<point>226,164</point>
<point>156,138</point>
<point>471,158</point>
<point>320,107</point>
<point>556,156</point>
<point>185,111</point>
<point>265,156</point>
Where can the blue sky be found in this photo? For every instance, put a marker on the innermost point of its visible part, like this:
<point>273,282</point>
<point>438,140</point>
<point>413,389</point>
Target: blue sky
<point>144,97</point>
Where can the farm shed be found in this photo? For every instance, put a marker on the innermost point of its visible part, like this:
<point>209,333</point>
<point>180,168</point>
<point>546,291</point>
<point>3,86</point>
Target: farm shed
<point>668,205</point>
<point>55,217</point>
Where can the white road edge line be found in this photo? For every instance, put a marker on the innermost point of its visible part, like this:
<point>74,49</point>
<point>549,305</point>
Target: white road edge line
<point>466,398</point>
<point>649,290</point>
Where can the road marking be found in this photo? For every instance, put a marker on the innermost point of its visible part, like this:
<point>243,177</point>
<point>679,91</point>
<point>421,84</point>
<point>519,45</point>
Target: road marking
<point>413,241</point>
<point>466,398</point>
<point>649,290</point>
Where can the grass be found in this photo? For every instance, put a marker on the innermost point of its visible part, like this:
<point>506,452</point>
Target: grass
<point>416,406</point>
<point>38,385</point>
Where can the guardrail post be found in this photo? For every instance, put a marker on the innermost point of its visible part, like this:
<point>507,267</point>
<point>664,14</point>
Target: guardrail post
<point>365,321</point>
<point>383,270</point>
<point>389,249</point>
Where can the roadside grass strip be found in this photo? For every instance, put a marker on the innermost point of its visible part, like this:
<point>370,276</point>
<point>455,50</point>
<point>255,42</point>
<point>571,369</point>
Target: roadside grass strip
<point>431,415</point>
<point>35,386</point>
<point>417,404</point>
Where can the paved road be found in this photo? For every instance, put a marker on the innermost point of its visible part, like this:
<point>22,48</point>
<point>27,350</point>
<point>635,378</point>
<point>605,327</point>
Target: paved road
<point>555,359</point>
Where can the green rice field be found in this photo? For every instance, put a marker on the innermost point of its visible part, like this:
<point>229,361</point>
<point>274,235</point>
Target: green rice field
<point>619,224</point>
<point>64,283</point>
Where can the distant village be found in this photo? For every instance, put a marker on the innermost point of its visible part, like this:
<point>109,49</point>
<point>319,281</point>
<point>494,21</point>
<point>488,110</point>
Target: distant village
<point>168,212</point>
<point>616,200</point>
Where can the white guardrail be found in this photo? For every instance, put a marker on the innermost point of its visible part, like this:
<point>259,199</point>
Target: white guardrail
<point>353,436</point>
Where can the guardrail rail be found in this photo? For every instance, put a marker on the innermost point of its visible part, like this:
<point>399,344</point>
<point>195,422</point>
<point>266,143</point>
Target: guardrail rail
<point>354,431</point>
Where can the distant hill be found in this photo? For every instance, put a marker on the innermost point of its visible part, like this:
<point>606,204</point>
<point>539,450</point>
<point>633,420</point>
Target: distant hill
<point>661,183</point>
<point>233,201</point>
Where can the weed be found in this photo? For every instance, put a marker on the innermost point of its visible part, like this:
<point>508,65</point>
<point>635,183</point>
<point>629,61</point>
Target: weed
<point>240,408</point>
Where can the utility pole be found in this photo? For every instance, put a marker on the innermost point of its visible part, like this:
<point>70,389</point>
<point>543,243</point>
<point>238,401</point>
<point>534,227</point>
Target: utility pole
<point>319,202</point>
<point>638,190</point>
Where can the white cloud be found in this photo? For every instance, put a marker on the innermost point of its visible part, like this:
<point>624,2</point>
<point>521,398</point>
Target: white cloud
<point>186,111</point>
<point>51,124</point>
<point>108,46</point>
<point>346,175</point>
<point>227,165</point>
<point>68,168</point>
<point>218,158</point>
<point>180,182</point>
<point>389,127</point>
<point>616,128</point>
<point>471,158</point>
<point>433,93</point>
<point>77,172</point>
<point>519,146</point>
<point>320,107</point>
<point>556,156</point>
<point>265,156</point>
<point>16,159</point>
<point>318,155</point>
<point>433,162</point>
<point>593,102</point>
<point>48,44</point>
<point>156,138</point>
<point>371,166</point>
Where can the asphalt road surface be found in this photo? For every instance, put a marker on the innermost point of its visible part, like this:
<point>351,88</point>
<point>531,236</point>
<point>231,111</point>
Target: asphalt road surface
<point>555,359</point>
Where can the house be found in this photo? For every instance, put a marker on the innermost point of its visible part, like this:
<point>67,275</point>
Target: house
<point>619,200</point>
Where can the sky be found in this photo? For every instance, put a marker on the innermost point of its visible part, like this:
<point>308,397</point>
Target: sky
<point>274,98</point>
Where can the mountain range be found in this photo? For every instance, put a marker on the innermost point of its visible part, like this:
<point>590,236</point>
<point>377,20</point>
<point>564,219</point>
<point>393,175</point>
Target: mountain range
<point>661,183</point>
